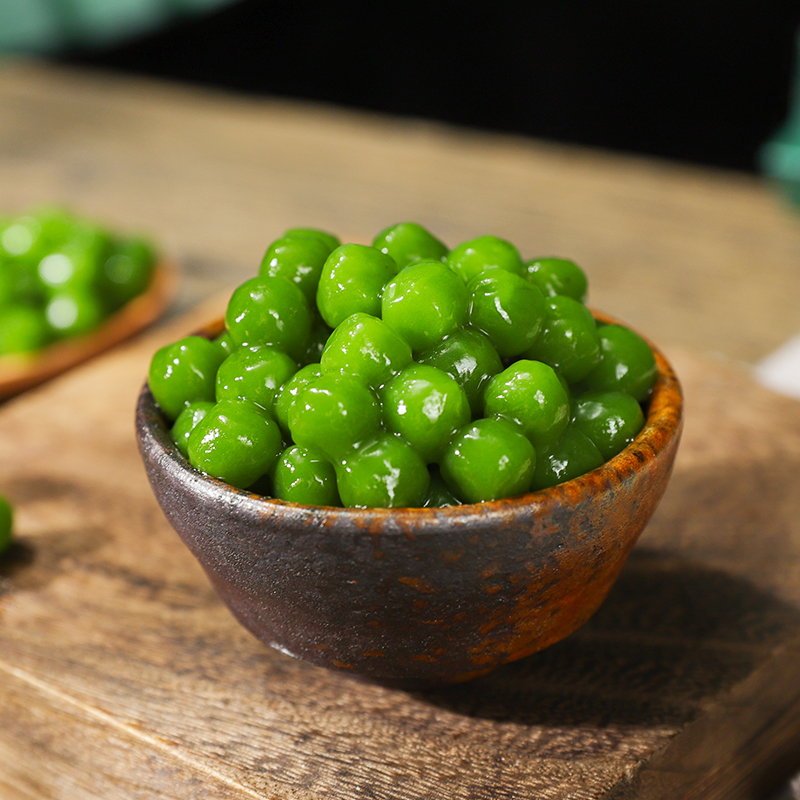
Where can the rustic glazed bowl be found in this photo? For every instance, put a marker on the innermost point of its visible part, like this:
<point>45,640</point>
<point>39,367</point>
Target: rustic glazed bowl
<point>415,597</point>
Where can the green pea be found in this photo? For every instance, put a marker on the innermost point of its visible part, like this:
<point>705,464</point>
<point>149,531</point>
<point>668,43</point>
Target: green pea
<point>225,344</point>
<point>287,394</point>
<point>557,276</point>
<point>367,347</point>
<point>610,419</point>
<point>320,333</point>
<point>328,239</point>
<point>408,243</point>
<point>22,330</point>
<point>486,252</point>
<point>186,422</point>
<point>626,364</point>
<point>470,359</point>
<point>530,394</point>
<point>487,460</point>
<point>352,280</point>
<point>255,374</point>
<point>236,441</point>
<point>426,407</point>
<point>6,524</point>
<point>439,494</point>
<point>569,341</point>
<point>271,311</point>
<point>74,311</point>
<point>299,259</point>
<point>574,454</point>
<point>425,303</point>
<point>184,372</point>
<point>127,271</point>
<point>507,308</point>
<point>385,473</point>
<point>305,476</point>
<point>334,414</point>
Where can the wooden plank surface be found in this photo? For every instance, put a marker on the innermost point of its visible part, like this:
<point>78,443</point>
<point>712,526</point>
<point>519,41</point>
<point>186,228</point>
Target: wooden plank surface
<point>122,675</point>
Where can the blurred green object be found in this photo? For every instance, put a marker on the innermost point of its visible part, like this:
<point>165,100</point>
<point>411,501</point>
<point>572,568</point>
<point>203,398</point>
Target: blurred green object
<point>779,158</point>
<point>42,26</point>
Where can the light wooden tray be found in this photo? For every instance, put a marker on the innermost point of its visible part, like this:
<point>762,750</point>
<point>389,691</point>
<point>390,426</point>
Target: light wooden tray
<point>24,371</point>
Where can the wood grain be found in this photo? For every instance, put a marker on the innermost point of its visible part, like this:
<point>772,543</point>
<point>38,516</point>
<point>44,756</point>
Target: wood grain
<point>122,675</point>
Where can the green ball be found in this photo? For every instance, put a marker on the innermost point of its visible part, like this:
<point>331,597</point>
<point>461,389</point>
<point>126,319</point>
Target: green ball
<point>328,239</point>
<point>269,311</point>
<point>439,494</point>
<point>508,309</point>
<point>367,347</point>
<point>425,303</point>
<point>486,252</point>
<point>352,280</point>
<point>184,372</point>
<point>126,272</point>
<point>569,341</point>
<point>23,330</point>
<point>626,364</point>
<point>470,359</point>
<point>385,473</point>
<point>574,454</point>
<point>305,476</point>
<point>558,276</point>
<point>610,419</point>
<point>255,374</point>
<point>236,441</point>
<point>6,524</point>
<point>334,414</point>
<point>74,311</point>
<point>287,394</point>
<point>320,333</point>
<point>487,460</point>
<point>408,243</point>
<point>426,407</point>
<point>530,394</point>
<point>299,259</point>
<point>186,422</point>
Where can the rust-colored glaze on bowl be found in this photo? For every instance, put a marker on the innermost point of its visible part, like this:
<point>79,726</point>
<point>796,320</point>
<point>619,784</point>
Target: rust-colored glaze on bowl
<point>418,596</point>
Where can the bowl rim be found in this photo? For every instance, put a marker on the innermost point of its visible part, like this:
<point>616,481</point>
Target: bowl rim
<point>663,427</point>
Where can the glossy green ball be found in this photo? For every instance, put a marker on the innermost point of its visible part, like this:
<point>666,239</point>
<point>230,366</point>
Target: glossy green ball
<point>126,272</point>
<point>425,303</point>
<point>320,333</point>
<point>328,239</point>
<point>334,414</point>
<point>558,276</point>
<point>352,280</point>
<point>439,494</point>
<point>408,243</point>
<point>569,341</point>
<point>508,309</point>
<point>255,374</point>
<point>426,407</point>
<point>487,460</point>
<point>299,259</point>
<point>22,330</point>
<point>236,441</point>
<point>6,524</point>
<point>74,311</point>
<point>269,311</point>
<point>184,372</point>
<point>573,455</point>
<point>367,347</point>
<point>530,394</point>
<point>610,419</point>
<point>186,422</point>
<point>626,364</point>
<point>305,476</point>
<point>385,473</point>
<point>287,394</point>
<point>468,357</point>
<point>486,252</point>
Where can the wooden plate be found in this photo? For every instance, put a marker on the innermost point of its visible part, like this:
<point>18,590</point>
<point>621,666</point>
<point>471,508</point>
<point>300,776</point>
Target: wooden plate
<point>24,371</point>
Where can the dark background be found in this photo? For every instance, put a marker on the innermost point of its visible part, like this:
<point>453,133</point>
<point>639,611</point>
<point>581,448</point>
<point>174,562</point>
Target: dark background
<point>699,80</point>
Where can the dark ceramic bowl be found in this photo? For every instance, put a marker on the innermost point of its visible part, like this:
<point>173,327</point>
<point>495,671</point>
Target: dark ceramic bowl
<point>416,596</point>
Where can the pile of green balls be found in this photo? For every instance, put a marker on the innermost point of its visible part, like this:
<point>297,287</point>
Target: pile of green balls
<point>404,374</point>
<point>61,276</point>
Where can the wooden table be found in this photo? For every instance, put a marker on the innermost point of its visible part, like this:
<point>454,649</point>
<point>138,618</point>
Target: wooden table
<point>122,676</point>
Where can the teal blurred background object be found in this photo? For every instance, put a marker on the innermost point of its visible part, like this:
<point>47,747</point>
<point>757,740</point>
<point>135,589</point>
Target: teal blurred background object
<point>47,26</point>
<point>779,158</point>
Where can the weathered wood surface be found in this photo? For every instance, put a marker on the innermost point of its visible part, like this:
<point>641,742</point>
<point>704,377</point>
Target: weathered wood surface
<point>703,259</point>
<point>123,676</point>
